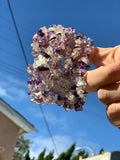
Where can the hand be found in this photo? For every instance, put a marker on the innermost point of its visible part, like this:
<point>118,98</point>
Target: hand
<point>106,80</point>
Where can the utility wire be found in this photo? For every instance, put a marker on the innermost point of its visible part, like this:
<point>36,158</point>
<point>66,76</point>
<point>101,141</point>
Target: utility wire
<point>89,112</point>
<point>11,31</point>
<point>12,42</point>
<point>17,32</point>
<point>27,65</point>
<point>8,33</point>
<point>3,6</point>
<point>23,28</point>
<point>7,28</point>
<point>49,129</point>
<point>8,40</point>
<point>39,107</point>
<point>10,53</point>
<point>11,82</point>
<point>7,69</point>
<point>13,67</point>
<point>5,19</point>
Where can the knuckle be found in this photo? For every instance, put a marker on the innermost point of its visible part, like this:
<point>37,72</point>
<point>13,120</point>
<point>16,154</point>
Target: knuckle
<point>110,72</point>
<point>113,70</point>
<point>103,96</point>
<point>113,114</point>
<point>116,70</point>
<point>118,63</point>
<point>111,110</point>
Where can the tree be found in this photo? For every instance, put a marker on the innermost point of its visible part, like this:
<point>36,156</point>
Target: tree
<point>22,147</point>
<point>22,152</point>
<point>67,155</point>
<point>101,151</point>
<point>50,156</point>
<point>81,153</point>
<point>69,152</point>
<point>41,155</point>
<point>27,157</point>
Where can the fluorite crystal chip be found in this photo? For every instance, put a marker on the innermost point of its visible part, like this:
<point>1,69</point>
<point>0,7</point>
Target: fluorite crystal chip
<point>61,60</point>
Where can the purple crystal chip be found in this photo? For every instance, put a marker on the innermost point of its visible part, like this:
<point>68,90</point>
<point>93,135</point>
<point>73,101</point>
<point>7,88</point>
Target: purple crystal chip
<point>61,60</point>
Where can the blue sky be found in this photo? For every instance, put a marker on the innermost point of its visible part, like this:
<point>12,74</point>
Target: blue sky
<point>99,20</point>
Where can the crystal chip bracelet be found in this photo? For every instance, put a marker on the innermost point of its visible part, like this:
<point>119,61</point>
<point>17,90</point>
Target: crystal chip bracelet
<point>61,60</point>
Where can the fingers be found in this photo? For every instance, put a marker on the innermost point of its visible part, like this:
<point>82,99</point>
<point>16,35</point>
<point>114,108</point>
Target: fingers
<point>109,94</point>
<point>106,80</point>
<point>98,55</point>
<point>117,53</point>
<point>104,56</point>
<point>102,76</point>
<point>113,113</point>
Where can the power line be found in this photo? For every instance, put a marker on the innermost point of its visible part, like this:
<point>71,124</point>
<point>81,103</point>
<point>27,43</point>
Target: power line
<point>89,112</point>
<point>3,6</point>
<point>12,66</point>
<point>9,40</point>
<point>13,19</point>
<point>11,31</point>
<point>5,19</point>
<point>48,129</point>
<point>10,53</point>
<point>27,65</point>
<point>45,120</point>
<point>7,28</point>
<point>23,28</point>
<point>6,69</point>
<point>8,33</point>
<point>12,82</point>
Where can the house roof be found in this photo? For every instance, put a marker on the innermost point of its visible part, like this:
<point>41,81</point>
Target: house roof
<point>115,155</point>
<point>16,118</point>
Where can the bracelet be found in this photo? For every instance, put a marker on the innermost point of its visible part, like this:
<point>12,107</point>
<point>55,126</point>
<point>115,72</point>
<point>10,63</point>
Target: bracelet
<point>61,60</point>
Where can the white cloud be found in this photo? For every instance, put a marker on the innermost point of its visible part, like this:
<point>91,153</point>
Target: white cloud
<point>2,92</point>
<point>84,143</point>
<point>51,117</point>
<point>13,89</point>
<point>62,143</point>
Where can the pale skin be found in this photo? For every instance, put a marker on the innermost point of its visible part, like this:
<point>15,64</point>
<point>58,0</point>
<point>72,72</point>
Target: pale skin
<point>105,80</point>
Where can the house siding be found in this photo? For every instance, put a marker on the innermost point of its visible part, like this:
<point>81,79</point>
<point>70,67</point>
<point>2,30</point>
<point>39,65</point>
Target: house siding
<point>8,137</point>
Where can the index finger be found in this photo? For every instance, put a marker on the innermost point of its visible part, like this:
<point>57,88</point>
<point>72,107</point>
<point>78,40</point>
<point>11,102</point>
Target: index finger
<point>102,76</point>
<point>104,56</point>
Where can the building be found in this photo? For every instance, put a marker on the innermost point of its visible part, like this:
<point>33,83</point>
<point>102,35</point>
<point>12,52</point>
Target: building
<point>106,156</point>
<point>12,125</point>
